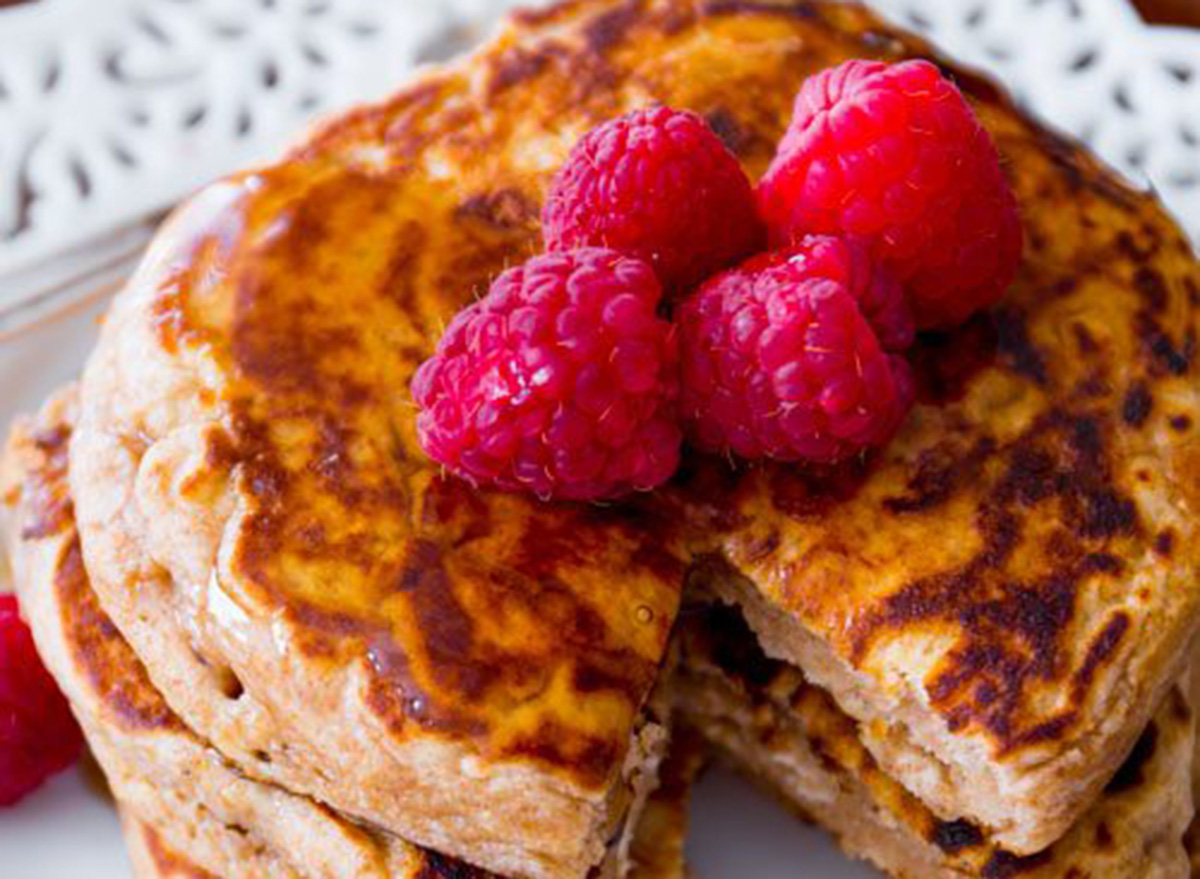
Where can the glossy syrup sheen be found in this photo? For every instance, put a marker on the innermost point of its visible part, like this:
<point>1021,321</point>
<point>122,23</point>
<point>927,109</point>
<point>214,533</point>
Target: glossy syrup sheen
<point>985,531</point>
<point>104,671</point>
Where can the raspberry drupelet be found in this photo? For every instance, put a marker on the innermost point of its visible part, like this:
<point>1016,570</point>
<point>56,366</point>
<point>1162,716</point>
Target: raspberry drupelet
<point>562,381</point>
<point>892,153</point>
<point>790,356</point>
<point>38,734</point>
<point>657,184</point>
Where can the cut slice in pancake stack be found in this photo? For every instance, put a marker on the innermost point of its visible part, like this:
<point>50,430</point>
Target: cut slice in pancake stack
<point>976,635</point>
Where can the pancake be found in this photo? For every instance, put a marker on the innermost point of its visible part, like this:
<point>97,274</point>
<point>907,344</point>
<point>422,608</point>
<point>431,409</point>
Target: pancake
<point>657,850</point>
<point>184,803</point>
<point>790,737</point>
<point>157,768</point>
<point>152,858</point>
<point>470,670</point>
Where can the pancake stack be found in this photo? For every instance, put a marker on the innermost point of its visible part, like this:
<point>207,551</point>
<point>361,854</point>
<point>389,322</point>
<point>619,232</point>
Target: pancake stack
<point>297,648</point>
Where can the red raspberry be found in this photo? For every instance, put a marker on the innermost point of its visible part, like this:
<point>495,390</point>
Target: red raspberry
<point>657,184</point>
<point>894,154</point>
<point>780,361</point>
<point>562,381</point>
<point>38,734</point>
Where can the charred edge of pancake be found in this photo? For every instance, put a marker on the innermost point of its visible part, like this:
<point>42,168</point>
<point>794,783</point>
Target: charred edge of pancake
<point>1014,636</point>
<point>112,669</point>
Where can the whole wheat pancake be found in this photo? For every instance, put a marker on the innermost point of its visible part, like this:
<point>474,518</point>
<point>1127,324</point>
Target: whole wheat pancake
<point>657,850</point>
<point>185,803</point>
<point>790,737</point>
<point>152,858</point>
<point>158,769</point>
<point>469,669</point>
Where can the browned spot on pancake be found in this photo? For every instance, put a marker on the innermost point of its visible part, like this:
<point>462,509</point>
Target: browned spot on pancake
<point>1137,404</point>
<point>803,9</point>
<point>394,697</point>
<point>436,866</point>
<point>1132,771</point>
<point>805,491</point>
<point>1005,865</point>
<point>399,281</point>
<point>976,86</point>
<point>1084,338</point>
<point>1012,628</point>
<point>1180,423</point>
<point>1130,246</point>
<point>1015,347</point>
<point>503,208</point>
<point>97,648</point>
<point>1165,357</point>
<point>1080,173</point>
<point>281,352</point>
<point>518,64</point>
<point>610,27</point>
<point>1180,709</point>
<point>169,311</point>
<point>1192,286</point>
<point>1100,651</point>
<point>446,629</point>
<point>169,863</point>
<point>48,509</point>
<point>953,837</point>
<point>737,138</point>
<point>1103,563</point>
<point>591,758</point>
<point>1164,543</point>
<point>941,469</point>
<point>1149,282</point>
<point>946,363</point>
<point>220,450</point>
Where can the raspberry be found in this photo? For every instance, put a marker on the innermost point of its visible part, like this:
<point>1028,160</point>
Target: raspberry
<point>659,185</point>
<point>781,361</point>
<point>562,381</point>
<point>894,154</point>
<point>38,734</point>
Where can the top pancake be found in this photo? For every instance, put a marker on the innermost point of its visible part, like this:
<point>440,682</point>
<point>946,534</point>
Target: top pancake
<point>465,668</point>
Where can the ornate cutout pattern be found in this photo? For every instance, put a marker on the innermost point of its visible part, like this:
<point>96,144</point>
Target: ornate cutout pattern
<point>1094,69</point>
<point>110,111</point>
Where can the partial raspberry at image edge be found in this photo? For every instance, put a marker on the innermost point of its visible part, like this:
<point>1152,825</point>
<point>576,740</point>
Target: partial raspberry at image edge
<point>39,736</point>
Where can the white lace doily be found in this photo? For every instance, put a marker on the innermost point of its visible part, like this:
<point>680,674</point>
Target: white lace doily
<point>111,110</point>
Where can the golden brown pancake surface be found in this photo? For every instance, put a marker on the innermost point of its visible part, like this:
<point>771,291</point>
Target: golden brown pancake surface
<point>1010,550</point>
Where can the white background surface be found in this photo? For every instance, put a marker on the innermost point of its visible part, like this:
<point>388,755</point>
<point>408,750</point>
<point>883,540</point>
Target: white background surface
<point>66,831</point>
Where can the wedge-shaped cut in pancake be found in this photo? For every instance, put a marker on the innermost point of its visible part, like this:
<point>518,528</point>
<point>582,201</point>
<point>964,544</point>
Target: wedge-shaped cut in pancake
<point>195,802</point>
<point>467,669</point>
<point>791,737</point>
